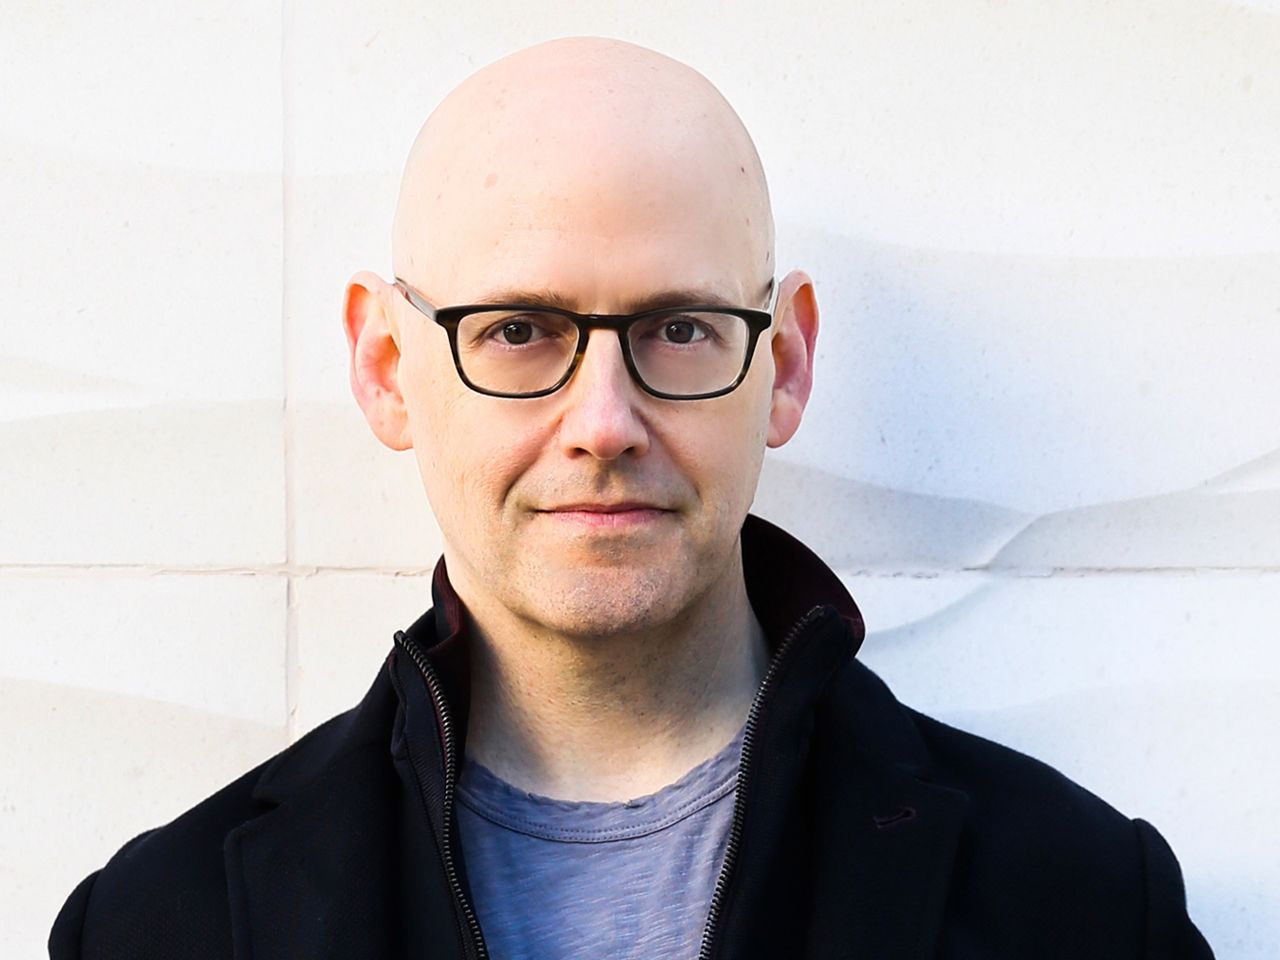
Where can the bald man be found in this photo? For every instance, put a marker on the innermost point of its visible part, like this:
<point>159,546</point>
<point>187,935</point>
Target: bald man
<point>632,724</point>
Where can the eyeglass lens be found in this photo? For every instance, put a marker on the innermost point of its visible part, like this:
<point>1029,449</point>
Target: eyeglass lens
<point>681,353</point>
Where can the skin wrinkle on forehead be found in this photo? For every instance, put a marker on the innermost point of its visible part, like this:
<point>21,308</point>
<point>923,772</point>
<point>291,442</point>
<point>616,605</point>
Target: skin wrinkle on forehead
<point>569,133</point>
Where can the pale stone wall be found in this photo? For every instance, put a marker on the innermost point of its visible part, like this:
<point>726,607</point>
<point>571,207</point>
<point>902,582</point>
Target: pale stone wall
<point>1043,447</point>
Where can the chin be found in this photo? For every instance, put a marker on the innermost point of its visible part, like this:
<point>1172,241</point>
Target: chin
<point>607,601</point>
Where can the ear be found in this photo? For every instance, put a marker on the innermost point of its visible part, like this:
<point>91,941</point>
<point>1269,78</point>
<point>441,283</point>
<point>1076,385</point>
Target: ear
<point>796,317</point>
<point>372,338</point>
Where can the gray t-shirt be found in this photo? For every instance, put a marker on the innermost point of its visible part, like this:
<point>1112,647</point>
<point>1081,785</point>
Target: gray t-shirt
<point>554,880</point>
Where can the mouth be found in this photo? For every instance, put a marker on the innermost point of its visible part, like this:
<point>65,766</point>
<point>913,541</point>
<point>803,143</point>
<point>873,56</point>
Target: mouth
<point>607,515</point>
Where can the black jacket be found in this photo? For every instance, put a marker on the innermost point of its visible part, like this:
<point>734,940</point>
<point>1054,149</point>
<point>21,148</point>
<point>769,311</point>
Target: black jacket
<point>862,829</point>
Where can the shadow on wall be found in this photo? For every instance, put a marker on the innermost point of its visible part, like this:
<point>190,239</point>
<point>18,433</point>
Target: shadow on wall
<point>857,526</point>
<point>997,412</point>
<point>854,525</point>
<point>1036,412</point>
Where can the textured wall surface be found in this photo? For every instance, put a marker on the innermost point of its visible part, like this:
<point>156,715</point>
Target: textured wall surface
<point>1043,447</point>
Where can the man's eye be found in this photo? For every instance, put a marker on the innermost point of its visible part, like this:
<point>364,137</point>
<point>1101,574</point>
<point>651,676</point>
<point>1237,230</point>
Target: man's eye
<point>682,330</point>
<point>518,332</point>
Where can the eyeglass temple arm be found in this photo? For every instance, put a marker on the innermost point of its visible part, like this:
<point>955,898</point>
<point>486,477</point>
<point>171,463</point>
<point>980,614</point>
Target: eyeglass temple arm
<point>415,299</point>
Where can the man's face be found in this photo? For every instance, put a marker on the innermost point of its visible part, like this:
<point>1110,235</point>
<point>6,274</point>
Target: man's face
<point>605,221</point>
<point>500,472</point>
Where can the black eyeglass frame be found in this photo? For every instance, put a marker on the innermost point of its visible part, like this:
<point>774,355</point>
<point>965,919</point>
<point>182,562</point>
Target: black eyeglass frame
<point>450,317</point>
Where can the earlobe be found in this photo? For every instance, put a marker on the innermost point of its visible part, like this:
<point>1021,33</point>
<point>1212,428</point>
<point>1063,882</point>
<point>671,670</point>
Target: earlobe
<point>375,358</point>
<point>792,345</point>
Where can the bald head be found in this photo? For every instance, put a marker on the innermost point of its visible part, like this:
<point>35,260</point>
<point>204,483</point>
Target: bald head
<point>591,146</point>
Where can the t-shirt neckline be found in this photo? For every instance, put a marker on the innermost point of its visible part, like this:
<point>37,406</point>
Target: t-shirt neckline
<point>487,795</point>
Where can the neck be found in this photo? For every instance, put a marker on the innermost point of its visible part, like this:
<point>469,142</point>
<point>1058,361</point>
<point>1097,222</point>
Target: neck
<point>613,718</point>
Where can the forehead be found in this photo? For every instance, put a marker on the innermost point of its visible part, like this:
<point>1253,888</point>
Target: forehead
<point>598,203</point>
<point>599,227</point>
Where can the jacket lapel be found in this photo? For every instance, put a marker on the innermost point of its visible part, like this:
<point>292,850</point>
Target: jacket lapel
<point>882,858</point>
<point>882,865</point>
<point>315,875</point>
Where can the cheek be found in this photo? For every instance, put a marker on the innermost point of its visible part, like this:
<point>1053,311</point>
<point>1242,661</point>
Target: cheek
<point>753,422</point>
<point>746,422</point>
<point>720,449</point>
<point>759,380</point>
<point>471,449</point>
<point>435,404</point>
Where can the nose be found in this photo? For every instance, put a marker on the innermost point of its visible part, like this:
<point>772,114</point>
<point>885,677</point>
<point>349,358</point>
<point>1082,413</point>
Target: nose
<point>600,416</point>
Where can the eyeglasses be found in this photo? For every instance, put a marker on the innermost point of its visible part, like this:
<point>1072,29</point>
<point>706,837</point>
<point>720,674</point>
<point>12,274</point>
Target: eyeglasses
<point>675,353</point>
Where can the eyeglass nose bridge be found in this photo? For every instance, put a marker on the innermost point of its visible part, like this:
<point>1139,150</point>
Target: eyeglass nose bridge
<point>586,323</point>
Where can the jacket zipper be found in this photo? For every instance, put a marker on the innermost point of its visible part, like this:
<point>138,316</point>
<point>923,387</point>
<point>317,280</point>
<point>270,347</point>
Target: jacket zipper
<point>450,784</point>
<point>744,772</point>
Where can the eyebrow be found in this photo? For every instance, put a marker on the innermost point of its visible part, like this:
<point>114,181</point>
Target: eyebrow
<point>659,300</point>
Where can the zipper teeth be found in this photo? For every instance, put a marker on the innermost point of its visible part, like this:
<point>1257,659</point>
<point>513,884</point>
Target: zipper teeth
<point>446,735</point>
<point>744,770</point>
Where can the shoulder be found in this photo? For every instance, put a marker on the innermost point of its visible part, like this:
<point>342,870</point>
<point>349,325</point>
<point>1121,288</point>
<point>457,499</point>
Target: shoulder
<point>1007,787</point>
<point>164,893</point>
<point>1027,820</point>
<point>1011,798</point>
<point>1003,785</point>
<point>1063,857</point>
<point>1036,850</point>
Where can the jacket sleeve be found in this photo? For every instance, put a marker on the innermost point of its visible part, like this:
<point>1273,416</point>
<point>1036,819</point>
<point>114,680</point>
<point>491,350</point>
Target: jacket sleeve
<point>1170,934</point>
<point>73,936</point>
<point>64,938</point>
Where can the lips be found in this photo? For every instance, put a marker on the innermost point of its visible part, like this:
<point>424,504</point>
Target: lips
<point>628,514</point>
<point>621,507</point>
